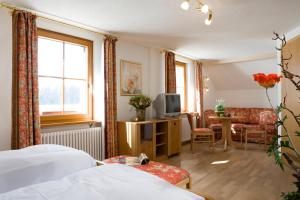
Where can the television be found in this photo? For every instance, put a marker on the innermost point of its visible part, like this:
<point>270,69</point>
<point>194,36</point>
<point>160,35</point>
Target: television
<point>167,105</point>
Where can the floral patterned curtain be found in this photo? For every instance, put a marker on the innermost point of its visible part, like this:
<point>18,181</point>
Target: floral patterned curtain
<point>199,93</point>
<point>25,112</point>
<point>110,96</point>
<point>170,72</point>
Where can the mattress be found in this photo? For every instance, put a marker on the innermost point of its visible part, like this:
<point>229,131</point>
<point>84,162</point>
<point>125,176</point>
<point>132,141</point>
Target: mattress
<point>107,182</point>
<point>40,163</point>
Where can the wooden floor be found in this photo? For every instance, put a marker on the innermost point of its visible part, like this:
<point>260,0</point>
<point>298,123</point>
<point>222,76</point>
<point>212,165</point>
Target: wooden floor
<point>248,175</point>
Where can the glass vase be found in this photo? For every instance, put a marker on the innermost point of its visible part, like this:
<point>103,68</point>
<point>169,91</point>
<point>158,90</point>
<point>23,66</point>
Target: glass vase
<point>140,114</point>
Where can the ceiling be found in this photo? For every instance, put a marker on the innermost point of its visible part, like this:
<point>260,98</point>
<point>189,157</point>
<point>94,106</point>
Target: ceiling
<point>240,28</point>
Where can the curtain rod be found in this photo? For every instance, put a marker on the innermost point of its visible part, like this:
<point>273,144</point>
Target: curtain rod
<point>56,19</point>
<point>180,54</point>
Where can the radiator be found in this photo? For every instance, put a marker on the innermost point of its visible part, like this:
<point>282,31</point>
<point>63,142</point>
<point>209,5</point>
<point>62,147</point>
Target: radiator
<point>90,140</point>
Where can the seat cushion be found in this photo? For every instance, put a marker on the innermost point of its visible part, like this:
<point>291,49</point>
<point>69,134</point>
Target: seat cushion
<point>203,130</point>
<point>172,174</point>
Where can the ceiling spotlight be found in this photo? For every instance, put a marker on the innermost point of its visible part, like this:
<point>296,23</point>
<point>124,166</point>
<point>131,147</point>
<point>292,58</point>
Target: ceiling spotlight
<point>185,5</point>
<point>208,20</point>
<point>204,8</point>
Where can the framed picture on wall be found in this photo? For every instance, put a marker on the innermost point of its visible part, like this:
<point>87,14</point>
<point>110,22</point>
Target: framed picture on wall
<point>130,78</point>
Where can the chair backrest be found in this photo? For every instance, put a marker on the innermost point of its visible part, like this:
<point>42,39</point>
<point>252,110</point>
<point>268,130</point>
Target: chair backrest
<point>267,118</point>
<point>191,120</point>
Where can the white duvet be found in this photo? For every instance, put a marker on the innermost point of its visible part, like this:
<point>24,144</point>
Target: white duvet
<point>40,163</point>
<point>107,182</point>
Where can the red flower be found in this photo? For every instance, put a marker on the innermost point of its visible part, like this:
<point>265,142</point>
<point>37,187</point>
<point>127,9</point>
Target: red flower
<point>266,81</point>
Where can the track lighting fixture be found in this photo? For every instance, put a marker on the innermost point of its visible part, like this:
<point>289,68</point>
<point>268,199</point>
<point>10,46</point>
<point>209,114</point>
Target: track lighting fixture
<point>185,5</point>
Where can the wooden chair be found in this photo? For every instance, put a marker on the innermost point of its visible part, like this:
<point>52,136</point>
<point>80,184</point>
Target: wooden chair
<point>199,133</point>
<point>266,118</point>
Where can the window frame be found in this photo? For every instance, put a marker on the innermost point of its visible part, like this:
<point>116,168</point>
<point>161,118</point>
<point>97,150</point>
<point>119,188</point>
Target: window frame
<point>184,66</point>
<point>64,119</point>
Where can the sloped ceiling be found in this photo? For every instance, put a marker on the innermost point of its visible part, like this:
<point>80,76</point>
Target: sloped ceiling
<point>240,28</point>
<point>238,76</point>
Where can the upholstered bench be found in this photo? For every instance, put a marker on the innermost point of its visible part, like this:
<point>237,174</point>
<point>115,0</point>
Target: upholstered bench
<point>174,175</point>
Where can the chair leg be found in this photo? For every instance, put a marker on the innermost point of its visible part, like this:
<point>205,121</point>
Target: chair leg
<point>192,143</point>
<point>209,143</point>
<point>213,142</point>
<point>246,140</point>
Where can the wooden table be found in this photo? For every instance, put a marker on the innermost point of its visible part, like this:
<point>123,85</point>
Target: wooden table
<point>226,130</point>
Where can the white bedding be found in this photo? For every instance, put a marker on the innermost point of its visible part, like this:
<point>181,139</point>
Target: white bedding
<point>40,163</point>
<point>107,182</point>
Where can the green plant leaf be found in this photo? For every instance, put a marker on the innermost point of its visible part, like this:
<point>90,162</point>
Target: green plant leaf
<point>285,143</point>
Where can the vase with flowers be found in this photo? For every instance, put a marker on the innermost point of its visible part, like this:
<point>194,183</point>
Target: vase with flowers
<point>219,107</point>
<point>140,103</point>
<point>281,142</point>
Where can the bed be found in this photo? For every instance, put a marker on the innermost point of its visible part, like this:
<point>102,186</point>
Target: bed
<point>40,163</point>
<point>106,182</point>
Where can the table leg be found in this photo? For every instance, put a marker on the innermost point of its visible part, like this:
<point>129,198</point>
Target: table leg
<point>224,134</point>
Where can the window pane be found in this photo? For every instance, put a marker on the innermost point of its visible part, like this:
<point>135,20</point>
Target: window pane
<point>75,61</point>
<point>180,76</point>
<point>76,94</point>
<point>50,94</point>
<point>50,57</point>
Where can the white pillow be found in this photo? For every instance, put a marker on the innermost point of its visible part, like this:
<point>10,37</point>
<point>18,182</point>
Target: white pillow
<point>40,163</point>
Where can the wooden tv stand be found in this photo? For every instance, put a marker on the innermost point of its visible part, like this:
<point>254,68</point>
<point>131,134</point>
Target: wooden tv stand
<point>158,139</point>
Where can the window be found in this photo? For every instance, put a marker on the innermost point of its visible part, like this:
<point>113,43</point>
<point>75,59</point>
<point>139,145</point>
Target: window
<point>181,84</point>
<point>65,77</point>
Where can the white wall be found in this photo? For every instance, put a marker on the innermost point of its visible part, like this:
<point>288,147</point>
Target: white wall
<point>6,78</point>
<point>6,70</point>
<point>152,79</point>
<point>234,83</point>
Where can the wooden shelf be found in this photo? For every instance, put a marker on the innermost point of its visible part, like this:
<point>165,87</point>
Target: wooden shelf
<point>161,144</point>
<point>156,138</point>
<point>160,133</point>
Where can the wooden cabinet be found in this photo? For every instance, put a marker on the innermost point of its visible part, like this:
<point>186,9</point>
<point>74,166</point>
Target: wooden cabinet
<point>174,146</point>
<point>156,138</point>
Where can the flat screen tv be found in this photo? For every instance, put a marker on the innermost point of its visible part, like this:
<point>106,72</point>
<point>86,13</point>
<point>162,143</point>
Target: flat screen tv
<point>167,105</point>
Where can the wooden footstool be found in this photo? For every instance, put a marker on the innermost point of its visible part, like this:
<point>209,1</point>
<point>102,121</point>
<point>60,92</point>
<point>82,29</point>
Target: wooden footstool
<point>174,175</point>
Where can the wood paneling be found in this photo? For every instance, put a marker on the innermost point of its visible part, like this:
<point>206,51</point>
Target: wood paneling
<point>292,100</point>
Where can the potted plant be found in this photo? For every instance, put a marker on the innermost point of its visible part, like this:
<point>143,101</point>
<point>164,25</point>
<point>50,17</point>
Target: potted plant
<point>219,107</point>
<point>140,103</point>
<point>281,142</point>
